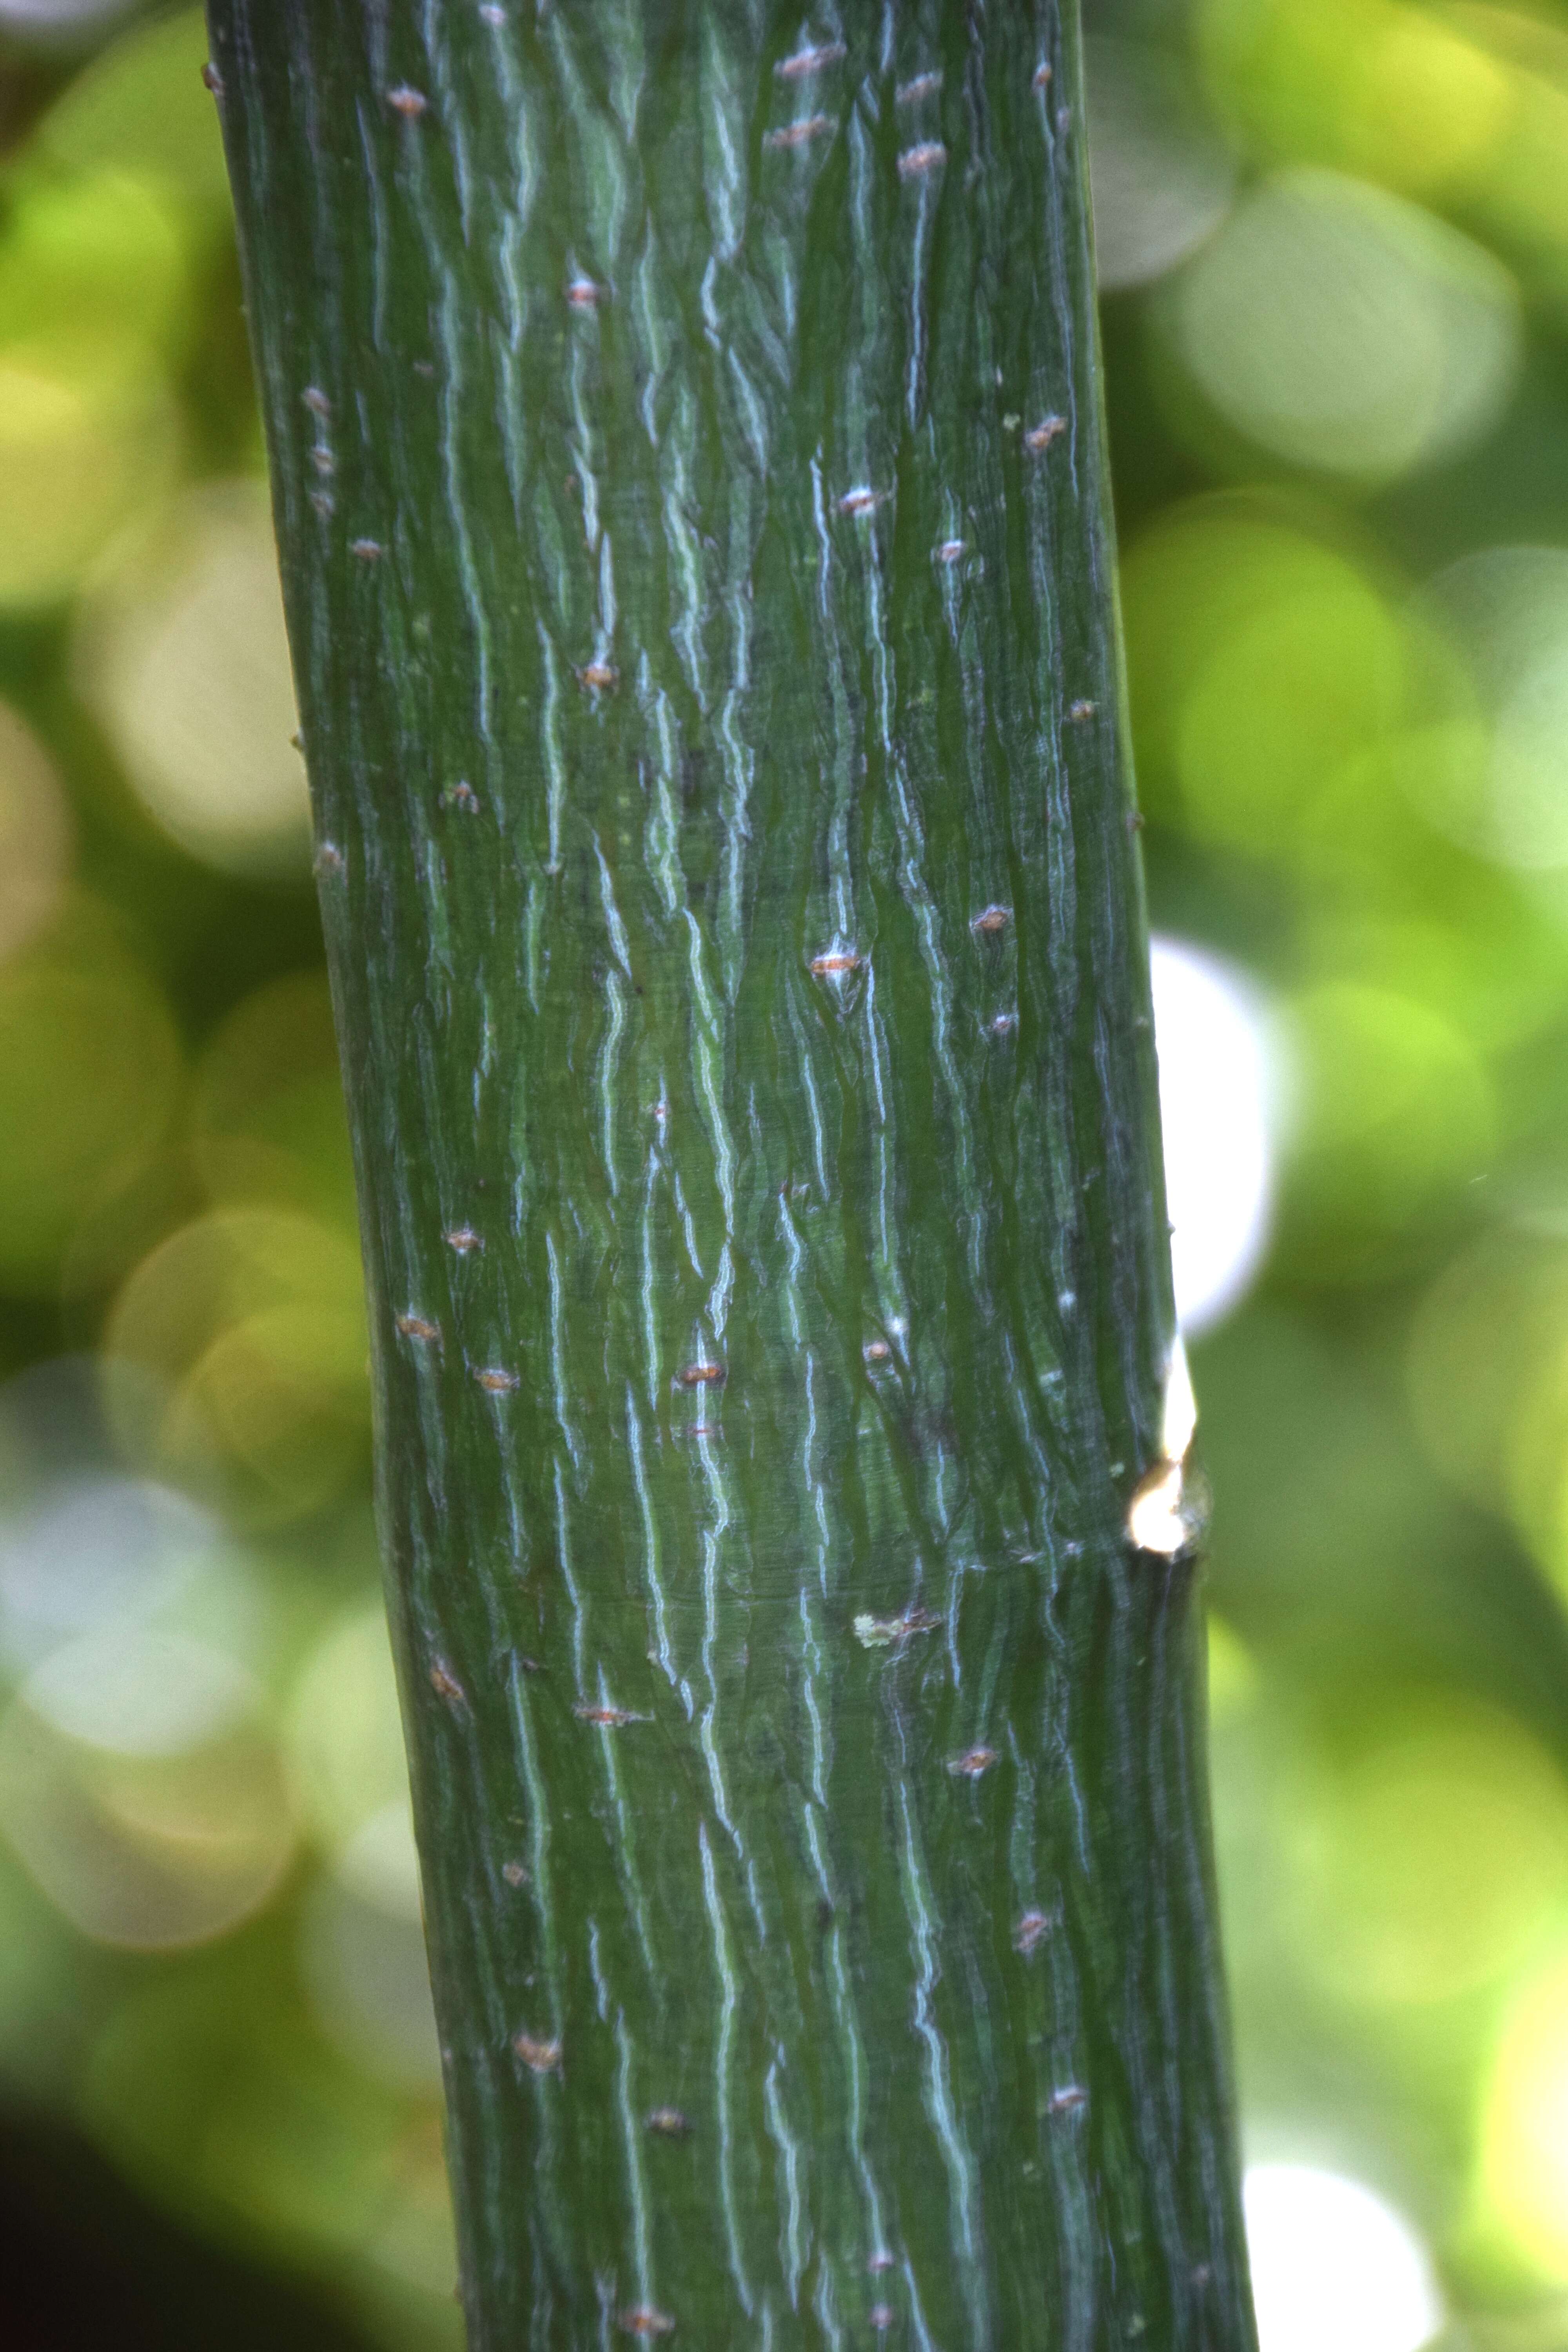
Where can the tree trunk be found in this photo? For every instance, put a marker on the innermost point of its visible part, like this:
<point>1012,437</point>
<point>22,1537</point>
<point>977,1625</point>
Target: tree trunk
<point>690,476</point>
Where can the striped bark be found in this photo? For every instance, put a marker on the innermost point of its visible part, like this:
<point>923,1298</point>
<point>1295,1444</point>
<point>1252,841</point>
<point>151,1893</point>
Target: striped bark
<point>690,478</point>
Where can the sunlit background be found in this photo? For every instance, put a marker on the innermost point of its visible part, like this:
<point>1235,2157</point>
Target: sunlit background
<point>1334,241</point>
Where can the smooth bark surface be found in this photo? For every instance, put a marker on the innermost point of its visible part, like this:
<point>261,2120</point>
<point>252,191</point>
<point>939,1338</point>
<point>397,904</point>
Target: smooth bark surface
<point>690,483</point>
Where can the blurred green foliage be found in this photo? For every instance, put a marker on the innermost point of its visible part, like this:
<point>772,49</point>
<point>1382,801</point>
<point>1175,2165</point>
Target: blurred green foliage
<point>1334,241</point>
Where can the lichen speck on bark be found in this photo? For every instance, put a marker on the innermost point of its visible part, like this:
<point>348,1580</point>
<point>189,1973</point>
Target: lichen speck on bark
<point>689,479</point>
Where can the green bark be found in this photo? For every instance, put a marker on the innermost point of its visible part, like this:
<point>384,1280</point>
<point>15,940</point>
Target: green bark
<point>689,478</point>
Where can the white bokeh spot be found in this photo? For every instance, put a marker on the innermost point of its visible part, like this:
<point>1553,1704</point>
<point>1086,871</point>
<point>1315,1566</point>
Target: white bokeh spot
<point>1333,2264</point>
<point>1218,1086</point>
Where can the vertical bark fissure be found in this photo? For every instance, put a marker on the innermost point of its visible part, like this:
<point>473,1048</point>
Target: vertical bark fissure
<point>690,478</point>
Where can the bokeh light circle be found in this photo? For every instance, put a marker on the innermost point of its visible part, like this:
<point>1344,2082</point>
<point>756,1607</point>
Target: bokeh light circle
<point>344,1732</point>
<point>141,107</point>
<point>1505,612</point>
<point>366,1974</point>
<point>91,1550</point>
<point>59,20</point>
<point>86,443</point>
<point>35,834</point>
<point>142,1789</point>
<point>91,1069</point>
<point>182,653</point>
<point>1395,1111</point>
<point>141,1694</point>
<point>1333,2264</point>
<point>1345,329</point>
<point>266,1112</point>
<point>1217,1087</point>
<point>1269,672</point>
<point>1161,178</point>
<point>247,1327</point>
<point>1427,1861</point>
<point>1521,2165</point>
